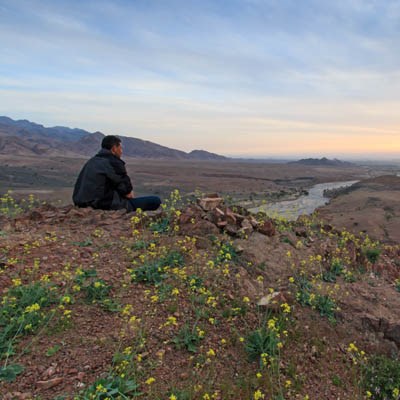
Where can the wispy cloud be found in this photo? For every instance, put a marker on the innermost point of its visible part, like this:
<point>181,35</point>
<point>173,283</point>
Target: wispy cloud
<point>205,70</point>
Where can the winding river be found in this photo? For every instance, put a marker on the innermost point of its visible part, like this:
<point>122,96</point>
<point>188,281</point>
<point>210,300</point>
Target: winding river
<point>306,204</point>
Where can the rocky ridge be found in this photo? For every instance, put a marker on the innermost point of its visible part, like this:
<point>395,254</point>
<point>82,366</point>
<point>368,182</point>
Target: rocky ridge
<point>263,254</point>
<point>28,138</point>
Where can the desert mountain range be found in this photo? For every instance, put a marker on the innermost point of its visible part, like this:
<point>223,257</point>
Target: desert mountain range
<point>25,138</point>
<point>323,162</point>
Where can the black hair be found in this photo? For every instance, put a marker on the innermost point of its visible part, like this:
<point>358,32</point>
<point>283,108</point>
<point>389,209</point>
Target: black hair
<point>109,141</point>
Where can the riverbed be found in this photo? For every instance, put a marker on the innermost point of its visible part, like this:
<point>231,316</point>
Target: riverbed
<point>304,205</point>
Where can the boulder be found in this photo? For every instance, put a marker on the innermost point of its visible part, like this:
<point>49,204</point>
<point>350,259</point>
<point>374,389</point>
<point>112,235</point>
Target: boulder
<point>393,333</point>
<point>200,228</point>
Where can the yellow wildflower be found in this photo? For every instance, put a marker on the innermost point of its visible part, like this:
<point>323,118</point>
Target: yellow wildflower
<point>150,381</point>
<point>32,308</point>
<point>17,282</point>
<point>211,353</point>
<point>258,394</point>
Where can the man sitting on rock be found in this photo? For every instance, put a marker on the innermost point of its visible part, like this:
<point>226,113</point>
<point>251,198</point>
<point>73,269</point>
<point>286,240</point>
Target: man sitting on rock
<point>104,184</point>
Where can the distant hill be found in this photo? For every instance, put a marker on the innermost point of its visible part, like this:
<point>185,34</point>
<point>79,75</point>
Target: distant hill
<point>205,155</point>
<point>29,130</point>
<point>322,162</point>
<point>23,137</point>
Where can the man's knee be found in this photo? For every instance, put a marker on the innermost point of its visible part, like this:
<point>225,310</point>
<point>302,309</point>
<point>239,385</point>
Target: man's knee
<point>155,202</point>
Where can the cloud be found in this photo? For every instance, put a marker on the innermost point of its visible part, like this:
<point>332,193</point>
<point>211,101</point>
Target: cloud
<point>235,68</point>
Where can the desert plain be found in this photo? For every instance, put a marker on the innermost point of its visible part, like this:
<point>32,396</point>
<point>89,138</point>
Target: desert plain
<point>372,206</point>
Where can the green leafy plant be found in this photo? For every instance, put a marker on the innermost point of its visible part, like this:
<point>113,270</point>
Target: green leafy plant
<point>226,253</point>
<point>52,350</point>
<point>195,282</point>
<point>9,373</point>
<point>98,290</point>
<point>151,273</point>
<point>261,341</point>
<point>372,254</point>
<point>382,377</point>
<point>326,306</point>
<point>335,270</point>
<point>85,243</point>
<point>139,245</point>
<point>110,305</point>
<point>306,297</point>
<point>84,275</point>
<point>173,259</point>
<point>160,226</point>
<point>180,394</point>
<point>112,388</point>
<point>303,294</point>
<point>188,338</point>
<point>154,271</point>
<point>21,312</point>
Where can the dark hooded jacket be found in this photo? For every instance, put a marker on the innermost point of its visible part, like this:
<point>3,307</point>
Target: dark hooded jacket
<point>103,183</point>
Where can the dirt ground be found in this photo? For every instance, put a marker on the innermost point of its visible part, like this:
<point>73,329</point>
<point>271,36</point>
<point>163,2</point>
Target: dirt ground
<point>65,356</point>
<point>53,178</point>
<point>371,206</point>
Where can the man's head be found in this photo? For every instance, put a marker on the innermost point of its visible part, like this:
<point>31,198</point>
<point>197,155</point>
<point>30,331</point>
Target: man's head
<point>112,143</point>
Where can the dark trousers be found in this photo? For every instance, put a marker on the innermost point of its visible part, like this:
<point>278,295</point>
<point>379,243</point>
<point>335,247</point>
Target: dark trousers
<point>145,203</point>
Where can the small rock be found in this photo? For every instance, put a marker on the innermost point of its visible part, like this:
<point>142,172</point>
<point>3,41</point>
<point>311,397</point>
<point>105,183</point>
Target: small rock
<point>210,203</point>
<point>202,243</point>
<point>267,300</point>
<point>247,226</point>
<point>80,376</point>
<point>231,230</point>
<point>11,396</point>
<point>35,216</point>
<point>301,232</point>
<point>239,217</point>
<point>239,249</point>
<point>267,228</point>
<point>314,351</point>
<point>222,224</point>
<point>230,216</point>
<point>219,212</point>
<point>253,222</point>
<point>49,384</point>
<point>272,301</point>
<point>72,371</point>
<point>49,372</point>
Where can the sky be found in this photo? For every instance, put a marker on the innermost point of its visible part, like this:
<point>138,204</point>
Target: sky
<point>248,78</point>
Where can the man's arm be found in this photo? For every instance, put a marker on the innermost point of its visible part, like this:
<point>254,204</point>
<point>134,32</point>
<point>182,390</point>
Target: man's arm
<point>118,175</point>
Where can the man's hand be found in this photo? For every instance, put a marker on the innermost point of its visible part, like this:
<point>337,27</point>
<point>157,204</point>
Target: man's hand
<point>129,195</point>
